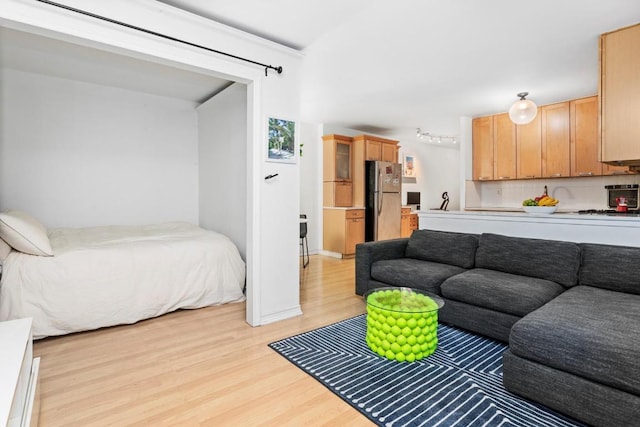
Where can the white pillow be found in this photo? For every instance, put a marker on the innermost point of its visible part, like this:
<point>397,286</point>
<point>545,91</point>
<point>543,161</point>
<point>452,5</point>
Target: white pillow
<point>4,251</point>
<point>24,233</point>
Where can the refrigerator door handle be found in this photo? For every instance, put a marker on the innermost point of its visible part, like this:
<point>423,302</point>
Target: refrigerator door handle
<point>380,192</point>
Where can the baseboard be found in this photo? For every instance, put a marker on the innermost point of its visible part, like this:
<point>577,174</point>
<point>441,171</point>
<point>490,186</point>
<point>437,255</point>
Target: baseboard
<point>331,254</point>
<point>281,315</point>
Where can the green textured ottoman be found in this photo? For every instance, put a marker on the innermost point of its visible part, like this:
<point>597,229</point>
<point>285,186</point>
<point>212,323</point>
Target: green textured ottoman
<point>402,323</point>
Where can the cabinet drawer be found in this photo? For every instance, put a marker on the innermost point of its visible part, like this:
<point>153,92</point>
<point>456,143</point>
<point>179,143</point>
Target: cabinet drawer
<point>355,214</point>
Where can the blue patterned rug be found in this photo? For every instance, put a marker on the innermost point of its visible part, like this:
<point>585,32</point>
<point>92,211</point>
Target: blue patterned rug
<point>458,385</point>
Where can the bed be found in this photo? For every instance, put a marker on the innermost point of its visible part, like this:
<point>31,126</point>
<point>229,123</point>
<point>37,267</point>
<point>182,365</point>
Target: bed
<point>77,279</point>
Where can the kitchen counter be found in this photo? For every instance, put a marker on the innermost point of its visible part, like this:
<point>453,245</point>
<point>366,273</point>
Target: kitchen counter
<point>567,225</point>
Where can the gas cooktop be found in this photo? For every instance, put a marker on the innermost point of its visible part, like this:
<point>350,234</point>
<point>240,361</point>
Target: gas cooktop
<point>611,212</point>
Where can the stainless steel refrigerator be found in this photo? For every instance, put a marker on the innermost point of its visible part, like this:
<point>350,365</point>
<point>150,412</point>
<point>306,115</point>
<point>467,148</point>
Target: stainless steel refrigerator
<point>383,181</point>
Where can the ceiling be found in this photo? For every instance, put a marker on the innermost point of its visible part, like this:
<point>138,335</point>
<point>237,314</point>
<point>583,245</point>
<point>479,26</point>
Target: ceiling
<point>390,67</point>
<point>379,66</point>
<point>38,54</point>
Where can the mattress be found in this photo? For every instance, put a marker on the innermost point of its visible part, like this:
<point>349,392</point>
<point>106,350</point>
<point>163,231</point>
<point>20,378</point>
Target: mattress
<point>105,276</point>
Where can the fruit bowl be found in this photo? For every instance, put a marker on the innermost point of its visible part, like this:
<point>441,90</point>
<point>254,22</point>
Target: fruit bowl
<point>545,210</point>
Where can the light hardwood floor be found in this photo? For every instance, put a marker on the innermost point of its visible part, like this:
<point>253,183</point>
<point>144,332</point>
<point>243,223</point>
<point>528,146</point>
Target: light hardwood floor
<point>199,367</point>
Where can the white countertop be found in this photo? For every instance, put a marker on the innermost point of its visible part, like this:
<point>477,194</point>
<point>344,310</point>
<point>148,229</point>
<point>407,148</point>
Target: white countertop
<point>569,226</point>
<point>558,216</point>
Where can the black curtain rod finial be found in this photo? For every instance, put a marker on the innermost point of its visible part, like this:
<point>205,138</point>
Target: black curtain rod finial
<point>266,69</point>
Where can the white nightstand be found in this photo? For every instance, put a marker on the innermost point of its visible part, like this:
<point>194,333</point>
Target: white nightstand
<point>19,402</point>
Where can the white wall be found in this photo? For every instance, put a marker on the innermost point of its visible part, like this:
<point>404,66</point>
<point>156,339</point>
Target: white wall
<point>311,183</point>
<point>222,136</point>
<point>79,154</point>
<point>436,170</point>
<point>273,207</point>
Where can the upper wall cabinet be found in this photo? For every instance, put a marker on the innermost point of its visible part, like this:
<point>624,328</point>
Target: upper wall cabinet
<point>529,146</point>
<point>562,141</point>
<point>494,148</point>
<point>376,148</point>
<point>556,142</point>
<point>584,137</point>
<point>482,129</point>
<point>504,147</point>
<point>337,171</point>
<point>620,96</point>
<point>337,160</point>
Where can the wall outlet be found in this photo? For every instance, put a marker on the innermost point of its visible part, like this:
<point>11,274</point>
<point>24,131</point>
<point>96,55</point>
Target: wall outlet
<point>499,191</point>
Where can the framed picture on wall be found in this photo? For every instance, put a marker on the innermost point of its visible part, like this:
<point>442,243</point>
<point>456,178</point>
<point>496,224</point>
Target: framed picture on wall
<point>408,166</point>
<point>281,140</point>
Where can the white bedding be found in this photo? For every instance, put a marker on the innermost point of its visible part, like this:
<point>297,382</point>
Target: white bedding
<point>104,276</point>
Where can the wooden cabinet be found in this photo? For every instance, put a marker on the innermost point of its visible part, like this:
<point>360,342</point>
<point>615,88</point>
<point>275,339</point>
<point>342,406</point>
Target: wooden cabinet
<point>562,141</point>
<point>482,129</point>
<point>372,150</point>
<point>620,96</point>
<point>529,146</point>
<point>584,137</point>
<point>494,148</point>
<point>337,193</point>
<point>389,152</point>
<point>337,164</point>
<point>504,147</point>
<point>376,148</point>
<point>337,171</point>
<point>408,222</point>
<point>556,141</point>
<point>343,230</point>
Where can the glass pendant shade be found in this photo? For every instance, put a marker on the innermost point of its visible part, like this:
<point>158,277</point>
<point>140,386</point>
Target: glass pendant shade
<point>523,111</point>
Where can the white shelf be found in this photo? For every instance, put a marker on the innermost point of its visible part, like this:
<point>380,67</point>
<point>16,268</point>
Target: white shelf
<point>18,374</point>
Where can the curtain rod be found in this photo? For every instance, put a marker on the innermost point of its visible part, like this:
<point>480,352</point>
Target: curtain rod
<point>164,36</point>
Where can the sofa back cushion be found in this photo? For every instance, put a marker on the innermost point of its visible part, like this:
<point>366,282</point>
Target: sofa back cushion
<point>610,267</point>
<point>445,247</point>
<point>545,259</point>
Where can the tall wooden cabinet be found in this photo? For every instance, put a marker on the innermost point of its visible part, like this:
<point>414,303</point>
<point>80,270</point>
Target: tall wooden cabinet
<point>620,96</point>
<point>344,160</point>
<point>337,171</point>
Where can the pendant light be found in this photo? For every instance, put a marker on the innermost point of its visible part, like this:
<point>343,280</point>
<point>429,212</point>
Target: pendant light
<point>523,111</point>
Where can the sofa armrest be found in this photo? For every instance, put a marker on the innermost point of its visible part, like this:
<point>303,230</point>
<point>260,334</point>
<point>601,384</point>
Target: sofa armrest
<point>369,252</point>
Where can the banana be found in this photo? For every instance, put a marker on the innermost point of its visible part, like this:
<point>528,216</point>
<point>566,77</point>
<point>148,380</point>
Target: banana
<point>548,201</point>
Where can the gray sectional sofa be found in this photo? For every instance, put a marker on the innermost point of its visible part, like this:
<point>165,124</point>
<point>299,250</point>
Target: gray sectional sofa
<point>569,311</point>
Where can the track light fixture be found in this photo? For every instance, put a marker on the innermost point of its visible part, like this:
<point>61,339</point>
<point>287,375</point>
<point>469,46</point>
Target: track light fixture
<point>439,139</point>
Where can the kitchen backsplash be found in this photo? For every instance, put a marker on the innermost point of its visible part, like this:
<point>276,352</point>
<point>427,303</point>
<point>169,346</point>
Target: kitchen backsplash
<point>573,193</point>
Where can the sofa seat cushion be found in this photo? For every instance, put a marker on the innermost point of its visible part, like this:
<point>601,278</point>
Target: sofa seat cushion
<point>503,292</point>
<point>445,247</point>
<point>413,273</point>
<point>590,332</point>
<point>544,259</point>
